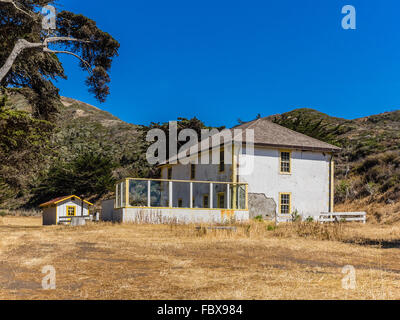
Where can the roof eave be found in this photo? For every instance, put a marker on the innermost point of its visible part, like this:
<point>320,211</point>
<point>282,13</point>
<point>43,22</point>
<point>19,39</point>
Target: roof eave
<point>305,148</point>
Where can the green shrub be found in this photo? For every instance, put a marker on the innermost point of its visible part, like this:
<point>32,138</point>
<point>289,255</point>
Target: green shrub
<point>3,213</point>
<point>259,218</point>
<point>295,216</point>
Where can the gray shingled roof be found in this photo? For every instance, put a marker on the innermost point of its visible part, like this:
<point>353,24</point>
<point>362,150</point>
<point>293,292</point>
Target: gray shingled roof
<point>269,134</point>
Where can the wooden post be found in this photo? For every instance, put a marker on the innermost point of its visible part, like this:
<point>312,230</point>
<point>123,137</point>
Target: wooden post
<point>247,197</point>
<point>211,196</point>
<point>126,193</point>
<point>170,194</point>
<point>228,196</point>
<point>149,193</point>
<point>116,196</point>
<point>234,177</point>
<point>82,204</point>
<point>332,185</point>
<point>191,195</point>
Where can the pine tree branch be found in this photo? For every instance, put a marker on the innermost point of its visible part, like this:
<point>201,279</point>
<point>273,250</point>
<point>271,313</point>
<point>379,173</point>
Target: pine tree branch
<point>22,44</point>
<point>18,8</point>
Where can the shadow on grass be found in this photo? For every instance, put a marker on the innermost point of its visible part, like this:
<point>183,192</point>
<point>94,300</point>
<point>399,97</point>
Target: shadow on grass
<point>384,244</point>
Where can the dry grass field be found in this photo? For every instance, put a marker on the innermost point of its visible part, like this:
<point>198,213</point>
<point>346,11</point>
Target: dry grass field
<point>114,261</point>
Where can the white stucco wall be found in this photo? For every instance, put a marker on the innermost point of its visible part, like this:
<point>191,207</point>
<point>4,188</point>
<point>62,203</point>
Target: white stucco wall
<point>308,181</point>
<point>148,215</point>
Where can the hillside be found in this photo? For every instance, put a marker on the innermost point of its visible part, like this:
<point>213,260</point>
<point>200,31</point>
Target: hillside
<point>368,168</point>
<point>79,127</point>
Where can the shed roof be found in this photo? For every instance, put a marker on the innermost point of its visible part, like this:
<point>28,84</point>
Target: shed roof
<point>269,134</point>
<point>61,199</point>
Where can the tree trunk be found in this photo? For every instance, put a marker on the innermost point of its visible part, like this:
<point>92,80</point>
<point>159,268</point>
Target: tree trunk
<point>18,48</point>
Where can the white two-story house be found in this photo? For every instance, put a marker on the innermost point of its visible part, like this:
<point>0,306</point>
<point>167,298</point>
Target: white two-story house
<point>291,173</point>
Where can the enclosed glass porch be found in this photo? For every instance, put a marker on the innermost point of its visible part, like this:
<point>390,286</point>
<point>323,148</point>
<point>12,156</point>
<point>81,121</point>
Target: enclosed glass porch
<point>181,194</point>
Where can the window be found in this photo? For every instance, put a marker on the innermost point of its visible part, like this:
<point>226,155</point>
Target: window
<point>285,203</point>
<point>222,160</point>
<point>221,200</point>
<point>205,201</point>
<point>169,174</point>
<point>180,203</point>
<point>192,172</point>
<point>71,211</point>
<point>285,162</point>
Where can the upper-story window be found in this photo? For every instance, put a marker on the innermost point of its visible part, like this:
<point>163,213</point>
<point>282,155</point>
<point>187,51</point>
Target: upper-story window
<point>285,162</point>
<point>192,171</point>
<point>222,160</point>
<point>169,174</point>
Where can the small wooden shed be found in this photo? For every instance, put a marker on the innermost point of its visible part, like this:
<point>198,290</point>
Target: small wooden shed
<point>60,210</point>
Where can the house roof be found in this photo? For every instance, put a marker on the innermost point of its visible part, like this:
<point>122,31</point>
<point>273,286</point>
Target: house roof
<point>61,199</point>
<point>269,134</point>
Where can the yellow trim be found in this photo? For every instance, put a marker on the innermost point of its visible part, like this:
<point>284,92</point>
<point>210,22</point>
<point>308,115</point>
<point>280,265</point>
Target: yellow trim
<point>173,180</point>
<point>57,202</point>
<point>280,161</point>
<point>91,204</point>
<point>73,207</point>
<point>183,208</point>
<point>208,200</point>
<point>118,205</point>
<point>219,194</point>
<point>126,192</point>
<point>290,201</point>
<point>332,185</point>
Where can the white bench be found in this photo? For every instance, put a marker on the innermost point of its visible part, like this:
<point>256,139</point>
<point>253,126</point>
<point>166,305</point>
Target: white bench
<point>67,219</point>
<point>343,216</point>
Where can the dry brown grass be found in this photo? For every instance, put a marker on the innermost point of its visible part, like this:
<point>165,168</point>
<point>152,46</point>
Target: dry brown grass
<point>106,261</point>
<point>377,212</point>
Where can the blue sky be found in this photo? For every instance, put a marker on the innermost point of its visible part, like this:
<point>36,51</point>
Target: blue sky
<point>223,60</point>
